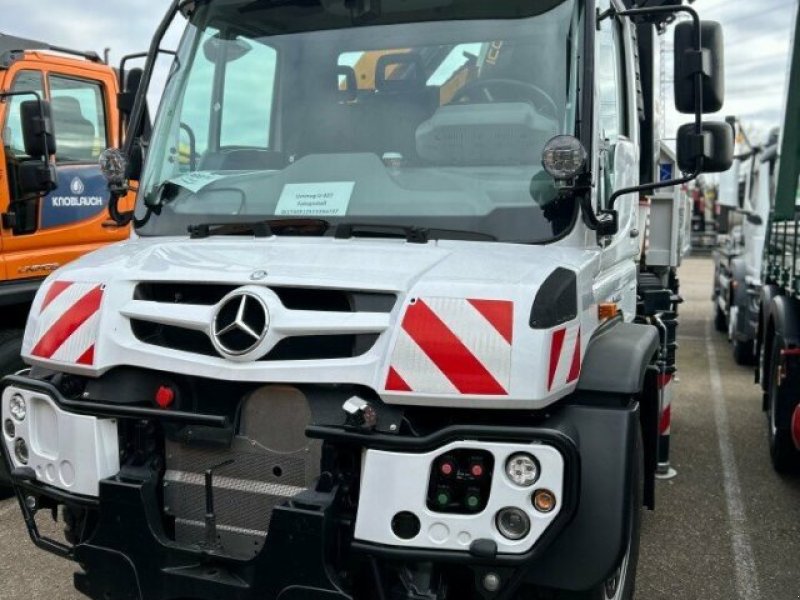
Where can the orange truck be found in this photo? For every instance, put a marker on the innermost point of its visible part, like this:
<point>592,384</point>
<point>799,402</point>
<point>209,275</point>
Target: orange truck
<point>52,200</point>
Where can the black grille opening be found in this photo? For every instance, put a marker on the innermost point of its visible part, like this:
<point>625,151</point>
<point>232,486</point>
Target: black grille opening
<point>322,347</point>
<point>169,336</point>
<point>293,298</point>
<point>206,294</point>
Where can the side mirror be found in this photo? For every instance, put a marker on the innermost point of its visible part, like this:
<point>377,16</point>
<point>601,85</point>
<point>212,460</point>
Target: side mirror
<point>37,129</point>
<point>710,152</point>
<point>126,98</point>
<point>710,62</point>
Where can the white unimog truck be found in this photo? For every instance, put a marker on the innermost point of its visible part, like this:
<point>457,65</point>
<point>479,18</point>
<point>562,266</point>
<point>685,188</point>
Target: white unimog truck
<point>378,334</point>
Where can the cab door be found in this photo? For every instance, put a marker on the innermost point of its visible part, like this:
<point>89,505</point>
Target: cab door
<point>40,236</point>
<point>13,151</point>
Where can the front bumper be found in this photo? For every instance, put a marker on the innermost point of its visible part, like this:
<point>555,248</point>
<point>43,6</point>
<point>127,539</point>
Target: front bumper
<point>130,555</point>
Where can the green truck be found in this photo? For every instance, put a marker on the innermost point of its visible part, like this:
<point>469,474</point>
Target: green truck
<point>778,341</point>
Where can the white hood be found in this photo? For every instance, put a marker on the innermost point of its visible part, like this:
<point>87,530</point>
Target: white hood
<point>467,289</point>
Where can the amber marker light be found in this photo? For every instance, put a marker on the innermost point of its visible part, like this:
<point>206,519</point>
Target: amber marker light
<point>544,501</point>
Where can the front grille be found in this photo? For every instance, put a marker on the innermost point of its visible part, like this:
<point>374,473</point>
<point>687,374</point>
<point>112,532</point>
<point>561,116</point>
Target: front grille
<point>302,346</point>
<point>293,298</point>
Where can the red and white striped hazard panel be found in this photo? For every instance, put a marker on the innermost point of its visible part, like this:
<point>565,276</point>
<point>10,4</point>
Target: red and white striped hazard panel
<point>66,328</point>
<point>454,346</point>
<point>564,366</point>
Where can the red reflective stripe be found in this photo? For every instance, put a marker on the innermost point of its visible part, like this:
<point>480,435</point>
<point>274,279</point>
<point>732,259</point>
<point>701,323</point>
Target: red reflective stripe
<point>395,383</point>
<point>664,379</point>
<point>556,345</point>
<point>666,420</point>
<point>500,313</point>
<point>53,292</point>
<point>575,368</point>
<point>62,329</point>
<point>448,353</point>
<point>87,358</point>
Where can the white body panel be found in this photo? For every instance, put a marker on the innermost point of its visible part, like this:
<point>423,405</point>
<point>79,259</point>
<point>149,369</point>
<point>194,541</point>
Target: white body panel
<point>729,186</point>
<point>67,451</point>
<point>755,234</point>
<point>394,482</point>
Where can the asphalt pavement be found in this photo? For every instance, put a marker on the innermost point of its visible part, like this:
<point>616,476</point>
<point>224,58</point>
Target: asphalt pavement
<point>726,528</point>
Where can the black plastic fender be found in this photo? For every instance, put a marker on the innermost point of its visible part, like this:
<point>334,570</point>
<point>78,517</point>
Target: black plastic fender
<point>592,545</point>
<point>784,315</point>
<point>617,358</point>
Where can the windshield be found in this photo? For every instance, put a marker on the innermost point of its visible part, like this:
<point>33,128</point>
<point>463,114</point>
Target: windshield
<point>301,110</point>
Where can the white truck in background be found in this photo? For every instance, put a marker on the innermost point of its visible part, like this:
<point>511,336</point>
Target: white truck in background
<point>738,262</point>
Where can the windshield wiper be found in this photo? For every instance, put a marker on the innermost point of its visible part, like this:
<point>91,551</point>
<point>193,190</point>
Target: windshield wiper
<point>412,233</point>
<point>261,229</point>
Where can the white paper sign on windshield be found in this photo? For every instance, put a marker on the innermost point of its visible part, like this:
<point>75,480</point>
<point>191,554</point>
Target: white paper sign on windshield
<point>315,199</point>
<point>197,180</point>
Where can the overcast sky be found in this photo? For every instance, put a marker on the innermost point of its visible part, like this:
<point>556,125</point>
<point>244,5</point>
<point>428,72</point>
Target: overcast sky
<point>757,36</point>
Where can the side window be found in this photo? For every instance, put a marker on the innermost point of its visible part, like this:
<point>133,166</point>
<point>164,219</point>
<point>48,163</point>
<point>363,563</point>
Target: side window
<point>79,119</point>
<point>26,81</point>
<point>611,80</point>
<point>249,86</point>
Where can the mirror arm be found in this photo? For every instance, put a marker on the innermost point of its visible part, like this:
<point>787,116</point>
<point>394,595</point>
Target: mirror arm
<point>649,187</point>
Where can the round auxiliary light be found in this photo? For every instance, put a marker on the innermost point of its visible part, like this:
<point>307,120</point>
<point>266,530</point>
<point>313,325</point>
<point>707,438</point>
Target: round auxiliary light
<point>513,523</point>
<point>544,501</point>
<point>8,427</point>
<point>564,157</point>
<point>113,165</point>
<point>522,469</point>
<point>17,407</point>
<point>21,451</point>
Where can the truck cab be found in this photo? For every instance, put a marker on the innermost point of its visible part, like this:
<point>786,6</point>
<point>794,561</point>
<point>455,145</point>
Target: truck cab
<point>382,331</point>
<point>40,231</point>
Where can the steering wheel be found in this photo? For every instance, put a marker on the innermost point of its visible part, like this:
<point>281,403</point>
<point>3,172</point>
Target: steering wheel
<point>505,90</point>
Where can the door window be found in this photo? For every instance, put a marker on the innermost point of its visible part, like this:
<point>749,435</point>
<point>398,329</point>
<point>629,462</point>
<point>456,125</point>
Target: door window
<point>79,119</point>
<point>26,81</point>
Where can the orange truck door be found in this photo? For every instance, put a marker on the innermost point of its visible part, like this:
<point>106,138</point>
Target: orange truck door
<point>68,222</point>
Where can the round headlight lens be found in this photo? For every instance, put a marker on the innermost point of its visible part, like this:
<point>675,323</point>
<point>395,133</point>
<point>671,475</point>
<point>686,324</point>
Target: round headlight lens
<point>564,157</point>
<point>522,469</point>
<point>513,523</point>
<point>21,451</point>
<point>17,407</point>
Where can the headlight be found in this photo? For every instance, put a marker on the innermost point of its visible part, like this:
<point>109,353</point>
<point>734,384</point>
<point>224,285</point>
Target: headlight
<point>8,427</point>
<point>564,157</point>
<point>513,523</point>
<point>17,407</point>
<point>522,469</point>
<point>21,451</point>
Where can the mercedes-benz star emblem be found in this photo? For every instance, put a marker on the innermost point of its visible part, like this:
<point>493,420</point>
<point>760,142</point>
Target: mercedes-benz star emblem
<point>240,324</point>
